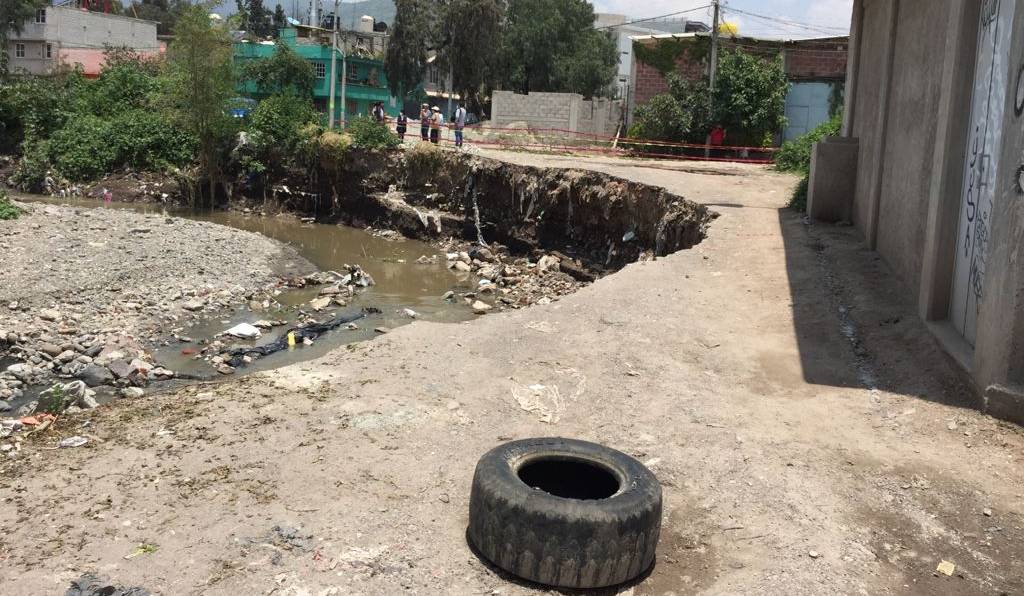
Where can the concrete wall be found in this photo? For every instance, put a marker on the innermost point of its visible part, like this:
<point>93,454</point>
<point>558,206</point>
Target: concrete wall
<point>565,111</point>
<point>906,162</point>
<point>909,102</point>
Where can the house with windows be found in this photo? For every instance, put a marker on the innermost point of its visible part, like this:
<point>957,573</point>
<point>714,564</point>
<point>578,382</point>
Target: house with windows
<point>359,63</point>
<point>69,37</point>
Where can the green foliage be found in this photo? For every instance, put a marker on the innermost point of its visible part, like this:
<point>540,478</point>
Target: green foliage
<point>367,134</point>
<point>34,166</point>
<point>553,46</point>
<point>795,155</point>
<point>334,149</point>
<point>406,59</point>
<point>799,199</point>
<point>200,83</point>
<point>750,97</point>
<point>33,107</point>
<point>82,150</point>
<point>7,209</point>
<point>284,72</point>
<point>663,54</point>
<point>164,12</point>
<point>682,114</point>
<point>148,140</point>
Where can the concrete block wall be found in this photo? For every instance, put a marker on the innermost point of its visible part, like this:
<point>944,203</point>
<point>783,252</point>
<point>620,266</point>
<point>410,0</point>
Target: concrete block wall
<point>566,111</point>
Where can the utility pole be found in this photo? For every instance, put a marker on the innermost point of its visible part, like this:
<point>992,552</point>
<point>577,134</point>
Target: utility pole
<point>451,69</point>
<point>714,46</point>
<point>334,67</point>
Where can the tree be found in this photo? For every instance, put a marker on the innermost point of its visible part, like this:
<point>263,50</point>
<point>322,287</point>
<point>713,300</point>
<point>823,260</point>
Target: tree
<point>280,18</point>
<point>13,16</point>
<point>405,61</point>
<point>750,96</point>
<point>164,12</point>
<point>201,81</point>
<point>553,46</point>
<point>283,73</point>
<point>470,32</point>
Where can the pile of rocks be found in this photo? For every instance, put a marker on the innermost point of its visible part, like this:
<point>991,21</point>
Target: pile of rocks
<point>506,281</point>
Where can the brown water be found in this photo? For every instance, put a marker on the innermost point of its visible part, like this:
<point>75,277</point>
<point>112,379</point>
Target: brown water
<point>401,284</point>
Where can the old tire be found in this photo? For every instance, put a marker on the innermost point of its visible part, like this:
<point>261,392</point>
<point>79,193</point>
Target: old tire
<point>565,513</point>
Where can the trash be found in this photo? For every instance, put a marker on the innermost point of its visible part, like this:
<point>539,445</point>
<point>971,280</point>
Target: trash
<point>91,585</point>
<point>814,554</point>
<point>72,442</point>
<point>244,331</point>
<point>946,568</point>
<point>142,549</point>
<point>410,313</point>
<point>480,307</point>
<point>291,339</point>
<point>321,303</point>
<point>235,357</point>
<point>629,236</point>
<point>381,330</point>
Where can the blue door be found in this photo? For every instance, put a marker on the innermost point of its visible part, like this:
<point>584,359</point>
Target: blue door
<point>806,108</point>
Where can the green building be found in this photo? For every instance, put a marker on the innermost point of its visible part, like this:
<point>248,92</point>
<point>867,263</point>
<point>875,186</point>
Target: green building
<point>362,67</point>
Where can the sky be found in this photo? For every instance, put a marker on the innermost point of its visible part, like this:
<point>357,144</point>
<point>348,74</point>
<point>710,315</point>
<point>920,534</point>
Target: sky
<point>815,18</point>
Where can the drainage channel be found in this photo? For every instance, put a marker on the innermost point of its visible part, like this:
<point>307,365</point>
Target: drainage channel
<point>402,285</point>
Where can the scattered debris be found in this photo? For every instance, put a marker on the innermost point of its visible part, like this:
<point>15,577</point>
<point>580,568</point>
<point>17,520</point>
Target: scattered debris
<point>91,585</point>
<point>244,331</point>
<point>72,442</point>
<point>946,568</point>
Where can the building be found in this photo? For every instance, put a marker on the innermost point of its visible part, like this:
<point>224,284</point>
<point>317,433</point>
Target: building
<point>65,36</point>
<point>929,170</point>
<point>362,68</point>
<point>624,29</point>
<point>816,69</point>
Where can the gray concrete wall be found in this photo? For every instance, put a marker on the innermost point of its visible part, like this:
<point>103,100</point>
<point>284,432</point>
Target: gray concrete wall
<point>81,29</point>
<point>907,155</point>
<point>867,126</point>
<point>566,111</point>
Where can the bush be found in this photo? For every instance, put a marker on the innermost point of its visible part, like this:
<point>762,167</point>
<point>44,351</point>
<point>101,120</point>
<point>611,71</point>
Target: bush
<point>7,209</point>
<point>278,127</point>
<point>84,149</point>
<point>148,140</point>
<point>795,155</point>
<point>663,118</point>
<point>799,199</point>
<point>334,149</point>
<point>34,166</point>
<point>368,134</point>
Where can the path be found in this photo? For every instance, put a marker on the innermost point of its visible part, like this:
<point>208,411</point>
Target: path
<point>739,371</point>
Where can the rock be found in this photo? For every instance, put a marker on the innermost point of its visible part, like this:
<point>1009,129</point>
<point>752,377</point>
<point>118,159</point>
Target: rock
<point>244,331</point>
<point>986,512</point>
<point>161,373</point>
<point>331,291</point>
<point>87,401</point>
<point>49,314</point>
<point>121,369</point>
<point>319,304</point>
<point>813,554</point>
<point>95,375</point>
<point>483,254</point>
<point>132,392</point>
<point>548,263</point>
<point>382,330</point>
<point>424,260</point>
<point>225,369</point>
<point>27,409</point>
<point>449,296</point>
<point>194,305</point>
<point>51,349</point>
<point>66,356</point>
<point>21,370</point>
<point>461,266</point>
<point>4,406</point>
<point>480,308</point>
<point>72,442</point>
<point>141,365</point>
<point>410,313</point>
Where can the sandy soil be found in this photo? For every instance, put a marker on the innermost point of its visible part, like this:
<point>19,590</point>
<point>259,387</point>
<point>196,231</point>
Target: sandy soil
<point>773,378</point>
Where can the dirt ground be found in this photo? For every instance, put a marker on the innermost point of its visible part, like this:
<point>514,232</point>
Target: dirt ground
<point>809,436</point>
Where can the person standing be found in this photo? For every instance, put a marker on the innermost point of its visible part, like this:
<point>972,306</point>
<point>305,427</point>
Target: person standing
<point>424,121</point>
<point>436,122</point>
<point>378,112</point>
<point>459,123</point>
<point>402,123</point>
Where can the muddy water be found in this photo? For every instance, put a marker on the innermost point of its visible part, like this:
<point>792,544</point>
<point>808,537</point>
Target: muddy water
<point>401,284</point>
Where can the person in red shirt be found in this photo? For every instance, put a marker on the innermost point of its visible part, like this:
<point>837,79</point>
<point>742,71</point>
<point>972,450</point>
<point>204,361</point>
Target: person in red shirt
<point>716,138</point>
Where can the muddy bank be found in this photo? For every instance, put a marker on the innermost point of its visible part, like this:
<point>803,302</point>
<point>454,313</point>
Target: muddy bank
<point>83,292</point>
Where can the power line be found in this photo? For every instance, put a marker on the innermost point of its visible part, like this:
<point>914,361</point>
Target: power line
<point>664,16</point>
<point>822,29</point>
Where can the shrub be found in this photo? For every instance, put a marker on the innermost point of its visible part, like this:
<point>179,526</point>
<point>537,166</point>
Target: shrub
<point>368,134</point>
<point>34,166</point>
<point>7,209</point>
<point>84,149</point>
<point>795,155</point>
<point>148,140</point>
<point>334,149</point>
<point>278,127</point>
<point>799,199</point>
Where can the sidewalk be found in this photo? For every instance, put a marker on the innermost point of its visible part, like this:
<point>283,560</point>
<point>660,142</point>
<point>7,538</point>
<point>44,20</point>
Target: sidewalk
<point>809,437</point>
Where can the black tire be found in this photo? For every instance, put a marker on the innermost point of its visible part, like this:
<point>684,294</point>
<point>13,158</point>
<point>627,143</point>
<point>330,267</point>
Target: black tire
<point>601,532</point>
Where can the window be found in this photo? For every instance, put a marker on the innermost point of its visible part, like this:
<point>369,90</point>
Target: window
<point>41,15</point>
<point>19,50</point>
<point>321,69</point>
<point>49,50</point>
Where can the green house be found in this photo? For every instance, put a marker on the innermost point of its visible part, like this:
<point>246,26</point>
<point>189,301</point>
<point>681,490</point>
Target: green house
<point>363,69</point>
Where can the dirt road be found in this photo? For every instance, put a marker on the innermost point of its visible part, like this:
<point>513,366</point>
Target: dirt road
<point>809,437</point>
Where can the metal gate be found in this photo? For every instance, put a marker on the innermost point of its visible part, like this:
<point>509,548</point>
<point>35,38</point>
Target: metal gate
<point>979,190</point>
